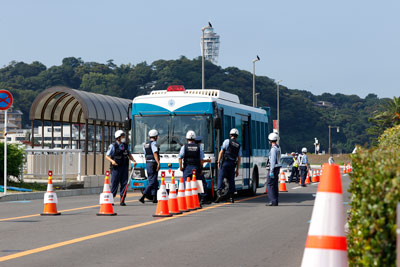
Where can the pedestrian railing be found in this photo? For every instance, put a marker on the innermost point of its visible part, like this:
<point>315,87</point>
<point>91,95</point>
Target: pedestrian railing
<point>65,163</point>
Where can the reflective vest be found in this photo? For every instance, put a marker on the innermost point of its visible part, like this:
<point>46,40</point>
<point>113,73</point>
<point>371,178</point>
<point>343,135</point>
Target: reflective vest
<point>149,154</point>
<point>232,151</point>
<point>295,163</point>
<point>121,156</point>
<point>192,155</point>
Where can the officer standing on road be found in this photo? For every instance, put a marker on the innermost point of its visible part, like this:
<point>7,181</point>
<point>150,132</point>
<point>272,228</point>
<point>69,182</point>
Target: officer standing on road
<point>275,166</point>
<point>118,154</point>
<point>303,161</point>
<point>330,160</point>
<point>203,196</point>
<point>228,159</point>
<point>190,156</point>
<point>152,155</point>
<point>295,169</point>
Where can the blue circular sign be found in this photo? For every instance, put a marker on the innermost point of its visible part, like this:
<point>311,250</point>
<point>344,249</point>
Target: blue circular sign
<point>6,99</point>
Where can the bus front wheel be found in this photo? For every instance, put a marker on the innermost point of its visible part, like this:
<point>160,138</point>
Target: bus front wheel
<point>253,183</point>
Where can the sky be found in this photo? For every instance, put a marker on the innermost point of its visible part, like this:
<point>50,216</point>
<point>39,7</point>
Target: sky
<point>341,46</point>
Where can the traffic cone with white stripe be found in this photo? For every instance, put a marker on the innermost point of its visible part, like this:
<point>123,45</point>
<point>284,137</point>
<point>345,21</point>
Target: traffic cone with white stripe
<point>106,199</point>
<point>162,197</point>
<point>195,194</point>
<point>326,242</point>
<point>282,184</point>
<point>318,175</point>
<point>188,195</point>
<point>172,201</point>
<point>50,199</point>
<point>181,196</point>
<point>308,179</point>
<point>344,168</point>
<point>314,176</point>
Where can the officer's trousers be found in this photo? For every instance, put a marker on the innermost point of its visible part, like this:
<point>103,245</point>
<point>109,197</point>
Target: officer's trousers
<point>187,172</point>
<point>272,187</point>
<point>295,175</point>
<point>227,171</point>
<point>152,187</point>
<point>119,175</point>
<point>303,174</point>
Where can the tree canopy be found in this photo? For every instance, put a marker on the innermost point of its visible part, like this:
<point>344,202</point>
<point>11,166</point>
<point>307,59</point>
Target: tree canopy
<point>302,116</point>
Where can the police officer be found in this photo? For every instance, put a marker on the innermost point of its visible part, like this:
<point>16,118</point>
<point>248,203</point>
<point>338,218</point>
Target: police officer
<point>303,161</point>
<point>203,196</point>
<point>295,169</point>
<point>330,160</point>
<point>152,155</point>
<point>228,159</point>
<point>118,154</point>
<point>274,168</point>
<point>190,156</point>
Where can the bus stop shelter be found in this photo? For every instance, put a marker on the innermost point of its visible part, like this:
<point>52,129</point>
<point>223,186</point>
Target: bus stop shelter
<point>93,120</point>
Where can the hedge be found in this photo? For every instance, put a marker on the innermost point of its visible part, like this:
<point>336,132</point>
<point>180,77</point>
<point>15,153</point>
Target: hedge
<point>375,189</point>
<point>390,137</point>
<point>15,158</point>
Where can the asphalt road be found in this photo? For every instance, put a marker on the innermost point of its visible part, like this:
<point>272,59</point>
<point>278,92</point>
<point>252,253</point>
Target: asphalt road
<point>246,233</point>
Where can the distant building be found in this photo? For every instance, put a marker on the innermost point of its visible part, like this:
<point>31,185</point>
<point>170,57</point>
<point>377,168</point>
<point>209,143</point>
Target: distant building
<point>211,45</point>
<point>57,136</point>
<point>323,104</point>
<point>20,136</point>
<point>14,121</point>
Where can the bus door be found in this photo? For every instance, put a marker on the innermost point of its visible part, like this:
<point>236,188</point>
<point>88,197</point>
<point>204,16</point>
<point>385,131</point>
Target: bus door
<point>245,134</point>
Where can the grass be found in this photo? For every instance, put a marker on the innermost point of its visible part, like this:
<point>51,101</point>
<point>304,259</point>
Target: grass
<point>34,186</point>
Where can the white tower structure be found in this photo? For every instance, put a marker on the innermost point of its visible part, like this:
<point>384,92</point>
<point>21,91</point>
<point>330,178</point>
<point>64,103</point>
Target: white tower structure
<point>211,45</point>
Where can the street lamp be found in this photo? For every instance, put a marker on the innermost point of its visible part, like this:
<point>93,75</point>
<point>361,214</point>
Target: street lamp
<point>277,106</point>
<point>254,80</point>
<point>202,54</point>
<point>337,130</point>
<point>256,99</point>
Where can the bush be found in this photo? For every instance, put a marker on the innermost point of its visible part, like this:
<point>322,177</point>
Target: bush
<point>390,137</point>
<point>375,189</point>
<point>15,158</point>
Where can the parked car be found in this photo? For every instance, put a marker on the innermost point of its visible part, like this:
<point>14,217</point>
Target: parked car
<point>287,162</point>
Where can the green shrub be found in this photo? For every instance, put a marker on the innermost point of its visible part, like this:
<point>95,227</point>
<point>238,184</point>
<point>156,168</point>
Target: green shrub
<point>375,189</point>
<point>390,137</point>
<point>15,158</point>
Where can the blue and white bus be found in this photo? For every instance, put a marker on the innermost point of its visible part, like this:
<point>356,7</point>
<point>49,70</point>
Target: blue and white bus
<point>210,114</point>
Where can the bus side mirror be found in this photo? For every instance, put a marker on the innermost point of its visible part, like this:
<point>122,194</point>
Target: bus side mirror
<point>217,122</point>
<point>128,124</point>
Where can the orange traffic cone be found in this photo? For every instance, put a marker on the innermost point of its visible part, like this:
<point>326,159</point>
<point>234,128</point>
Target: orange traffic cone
<point>195,194</point>
<point>172,201</point>
<point>344,168</point>
<point>307,179</point>
<point>266,191</point>
<point>318,175</point>
<point>162,197</point>
<point>106,199</point>
<point>282,184</point>
<point>348,168</point>
<point>188,195</point>
<point>326,242</point>
<point>181,197</point>
<point>50,199</point>
<point>314,176</point>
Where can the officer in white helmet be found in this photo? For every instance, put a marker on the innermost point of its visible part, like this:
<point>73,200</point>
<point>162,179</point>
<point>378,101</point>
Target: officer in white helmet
<point>152,154</point>
<point>118,154</point>
<point>190,156</point>
<point>304,165</point>
<point>274,169</point>
<point>228,164</point>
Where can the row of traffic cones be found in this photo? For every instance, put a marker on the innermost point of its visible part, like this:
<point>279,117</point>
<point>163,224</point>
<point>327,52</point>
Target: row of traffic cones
<point>347,168</point>
<point>187,199</point>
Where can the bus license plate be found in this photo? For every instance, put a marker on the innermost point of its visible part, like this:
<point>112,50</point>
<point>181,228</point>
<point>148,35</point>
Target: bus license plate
<point>138,184</point>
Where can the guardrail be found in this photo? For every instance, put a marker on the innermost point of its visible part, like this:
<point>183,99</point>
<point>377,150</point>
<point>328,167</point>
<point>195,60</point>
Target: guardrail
<point>63,162</point>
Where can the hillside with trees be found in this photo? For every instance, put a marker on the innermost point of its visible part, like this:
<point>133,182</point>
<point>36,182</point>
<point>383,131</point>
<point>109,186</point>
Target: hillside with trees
<point>303,115</point>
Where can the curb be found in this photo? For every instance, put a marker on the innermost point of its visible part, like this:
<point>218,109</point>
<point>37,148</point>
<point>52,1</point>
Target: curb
<point>61,193</point>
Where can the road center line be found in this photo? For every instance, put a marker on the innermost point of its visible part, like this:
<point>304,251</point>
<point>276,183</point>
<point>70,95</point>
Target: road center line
<point>84,238</point>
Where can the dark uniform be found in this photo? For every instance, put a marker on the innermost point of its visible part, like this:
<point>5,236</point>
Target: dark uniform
<point>151,167</point>
<point>191,159</point>
<point>231,154</point>
<point>119,173</point>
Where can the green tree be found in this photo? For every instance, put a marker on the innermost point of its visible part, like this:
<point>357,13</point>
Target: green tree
<point>15,159</point>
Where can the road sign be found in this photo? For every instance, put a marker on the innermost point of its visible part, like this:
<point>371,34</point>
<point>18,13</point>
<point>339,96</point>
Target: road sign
<point>6,99</point>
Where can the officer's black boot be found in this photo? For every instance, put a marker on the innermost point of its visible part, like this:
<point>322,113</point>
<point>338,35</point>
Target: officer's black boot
<point>155,199</point>
<point>218,199</point>
<point>142,199</point>
<point>231,198</point>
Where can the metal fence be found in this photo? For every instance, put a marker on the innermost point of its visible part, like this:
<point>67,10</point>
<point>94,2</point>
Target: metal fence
<point>65,163</point>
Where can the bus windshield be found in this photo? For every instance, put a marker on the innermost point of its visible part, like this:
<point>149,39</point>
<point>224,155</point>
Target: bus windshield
<point>172,131</point>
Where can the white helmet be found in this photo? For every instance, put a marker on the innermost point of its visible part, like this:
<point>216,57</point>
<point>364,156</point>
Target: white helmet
<point>119,133</point>
<point>304,150</point>
<point>273,137</point>
<point>190,135</point>
<point>234,131</point>
<point>153,133</point>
